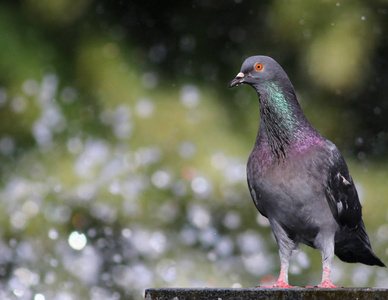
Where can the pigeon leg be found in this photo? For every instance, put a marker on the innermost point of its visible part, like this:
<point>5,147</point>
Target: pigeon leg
<point>326,266</point>
<point>282,281</point>
<point>327,258</point>
<point>285,245</point>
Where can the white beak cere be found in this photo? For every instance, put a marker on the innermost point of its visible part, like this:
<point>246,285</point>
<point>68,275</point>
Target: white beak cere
<point>240,75</point>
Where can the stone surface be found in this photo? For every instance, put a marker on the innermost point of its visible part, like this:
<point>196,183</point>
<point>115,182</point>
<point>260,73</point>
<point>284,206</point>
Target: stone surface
<point>266,294</point>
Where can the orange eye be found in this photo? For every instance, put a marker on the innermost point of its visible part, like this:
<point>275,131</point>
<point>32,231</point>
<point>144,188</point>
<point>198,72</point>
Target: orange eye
<point>258,67</point>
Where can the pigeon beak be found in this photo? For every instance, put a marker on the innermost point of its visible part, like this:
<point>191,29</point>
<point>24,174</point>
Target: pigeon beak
<point>237,80</point>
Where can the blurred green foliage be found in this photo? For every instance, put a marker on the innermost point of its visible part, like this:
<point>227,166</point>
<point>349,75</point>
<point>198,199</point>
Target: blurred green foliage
<point>116,123</point>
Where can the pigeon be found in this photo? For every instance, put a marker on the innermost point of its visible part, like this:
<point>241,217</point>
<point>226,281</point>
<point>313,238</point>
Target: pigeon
<point>299,180</point>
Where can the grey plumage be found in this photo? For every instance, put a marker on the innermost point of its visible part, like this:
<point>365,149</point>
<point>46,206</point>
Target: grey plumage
<point>298,179</point>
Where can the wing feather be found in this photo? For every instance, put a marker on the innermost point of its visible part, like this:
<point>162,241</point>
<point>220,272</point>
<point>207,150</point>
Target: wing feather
<point>341,192</point>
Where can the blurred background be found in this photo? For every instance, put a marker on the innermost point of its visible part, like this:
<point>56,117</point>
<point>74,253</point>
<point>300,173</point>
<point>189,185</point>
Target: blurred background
<point>123,152</point>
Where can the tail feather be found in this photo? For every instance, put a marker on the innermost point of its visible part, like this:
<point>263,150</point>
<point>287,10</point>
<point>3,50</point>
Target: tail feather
<point>353,245</point>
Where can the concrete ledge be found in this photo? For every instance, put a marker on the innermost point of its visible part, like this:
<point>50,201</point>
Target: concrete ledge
<point>266,294</point>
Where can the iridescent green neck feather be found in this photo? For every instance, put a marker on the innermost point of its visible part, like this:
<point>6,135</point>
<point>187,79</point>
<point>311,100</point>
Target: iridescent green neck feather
<point>283,126</point>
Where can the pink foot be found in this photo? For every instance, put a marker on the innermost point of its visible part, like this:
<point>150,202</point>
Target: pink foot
<point>327,284</point>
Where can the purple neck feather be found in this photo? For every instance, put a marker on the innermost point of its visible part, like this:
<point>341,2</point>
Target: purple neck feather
<point>284,129</point>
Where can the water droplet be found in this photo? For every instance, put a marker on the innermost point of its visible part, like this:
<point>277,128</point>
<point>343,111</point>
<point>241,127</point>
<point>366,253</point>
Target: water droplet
<point>117,258</point>
<point>186,149</point>
<point>361,155</point>
<point>39,297</point>
<point>122,125</point>
<point>161,179</point>
<point>74,145</point>
<point>208,236</point>
<point>48,88</point>
<point>170,274</point>
<point>158,242</point>
<point>232,220</point>
<point>18,293</point>
<point>187,43</point>
<point>188,236</point>
<point>126,232</point>
<point>18,220</point>
<point>377,110</point>
<point>257,263</point>
<point>115,187</point>
<point>77,241</point>
<point>190,96</point>
<point>30,208</point>
<point>359,141</point>
<point>53,234</point>
<point>303,259</point>
<point>199,216</point>
<point>250,242</point>
<point>104,212</point>
<point>200,185</point>
<point>211,256</point>
<point>30,87</point>
<point>19,104</point>
<point>157,53</point>
<point>145,108</point>
<point>224,247</point>
<point>149,80</point>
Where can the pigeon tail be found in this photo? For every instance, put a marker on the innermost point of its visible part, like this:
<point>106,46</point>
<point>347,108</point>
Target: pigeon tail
<point>352,245</point>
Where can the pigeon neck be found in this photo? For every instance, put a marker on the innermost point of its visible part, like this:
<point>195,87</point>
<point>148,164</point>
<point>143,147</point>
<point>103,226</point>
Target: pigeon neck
<point>283,126</point>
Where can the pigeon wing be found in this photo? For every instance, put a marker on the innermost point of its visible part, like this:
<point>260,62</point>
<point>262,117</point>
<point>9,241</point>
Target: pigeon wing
<point>254,198</point>
<point>341,192</point>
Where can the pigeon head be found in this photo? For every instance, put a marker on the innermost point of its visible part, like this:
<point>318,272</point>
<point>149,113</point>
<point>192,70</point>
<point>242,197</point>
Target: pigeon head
<point>281,117</point>
<point>258,71</point>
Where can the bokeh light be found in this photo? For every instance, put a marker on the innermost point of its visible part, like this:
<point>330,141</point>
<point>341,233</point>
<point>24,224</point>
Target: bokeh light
<point>77,241</point>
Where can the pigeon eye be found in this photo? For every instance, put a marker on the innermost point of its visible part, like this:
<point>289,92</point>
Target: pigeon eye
<point>258,67</point>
